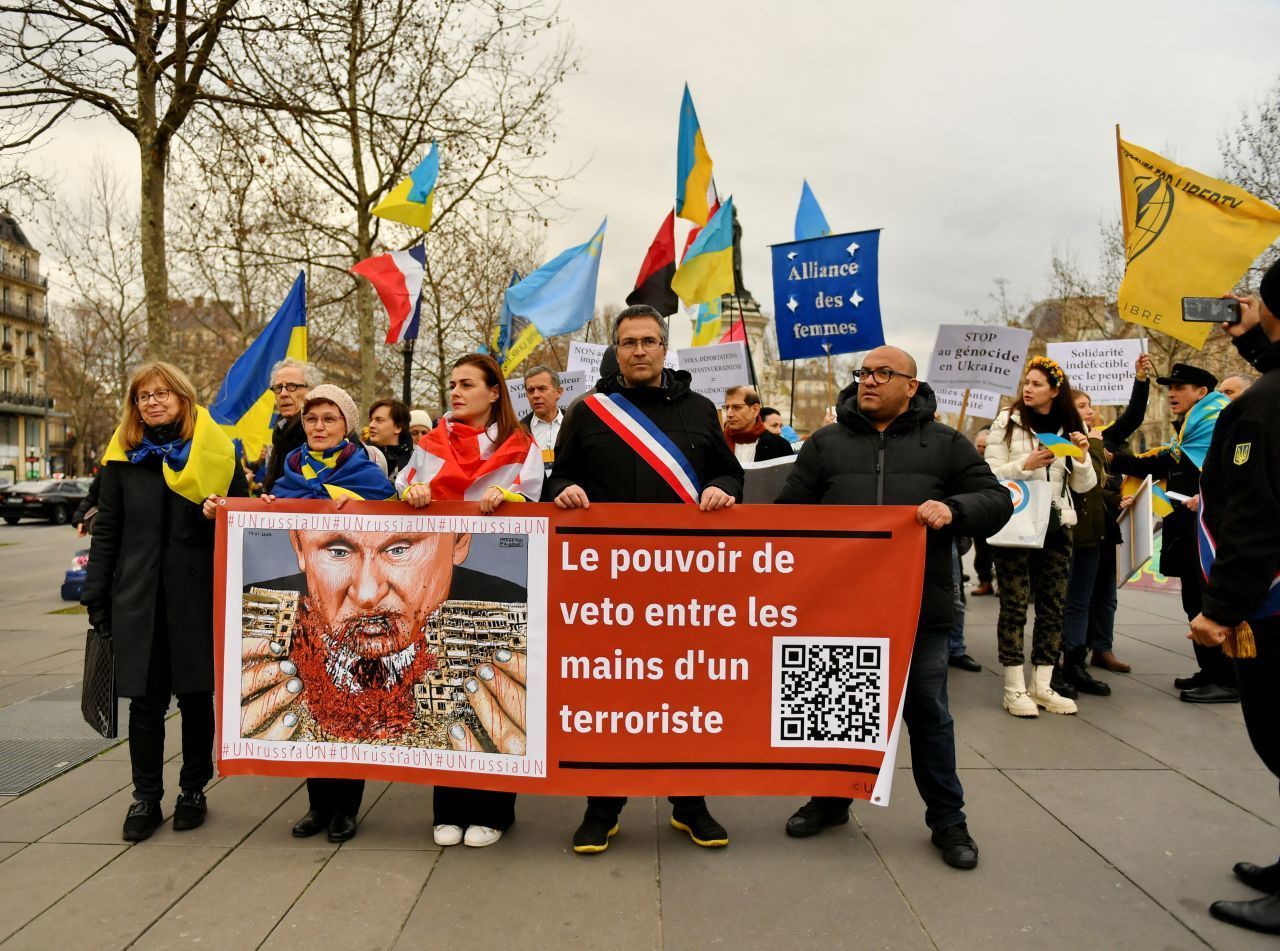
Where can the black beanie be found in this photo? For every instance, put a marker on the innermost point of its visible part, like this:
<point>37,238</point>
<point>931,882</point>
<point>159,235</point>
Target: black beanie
<point>1269,289</point>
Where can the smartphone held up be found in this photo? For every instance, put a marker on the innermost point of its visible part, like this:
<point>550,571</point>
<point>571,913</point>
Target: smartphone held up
<point>1211,310</point>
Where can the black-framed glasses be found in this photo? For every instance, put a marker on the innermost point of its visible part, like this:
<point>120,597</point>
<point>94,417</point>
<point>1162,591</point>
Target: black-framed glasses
<point>881,375</point>
<point>291,387</point>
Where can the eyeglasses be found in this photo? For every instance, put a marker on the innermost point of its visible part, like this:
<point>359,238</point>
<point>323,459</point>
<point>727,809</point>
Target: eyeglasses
<point>326,421</point>
<point>145,397</point>
<point>879,374</point>
<point>291,387</point>
<point>646,343</point>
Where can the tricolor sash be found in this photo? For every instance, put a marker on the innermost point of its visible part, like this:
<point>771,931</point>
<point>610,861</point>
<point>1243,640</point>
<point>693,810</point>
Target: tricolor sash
<point>1209,553</point>
<point>649,442</point>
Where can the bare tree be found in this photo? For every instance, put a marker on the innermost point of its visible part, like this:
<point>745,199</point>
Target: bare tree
<point>1251,159</point>
<point>143,66</point>
<point>354,91</point>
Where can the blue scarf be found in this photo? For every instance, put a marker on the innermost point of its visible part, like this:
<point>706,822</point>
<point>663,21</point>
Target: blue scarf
<point>345,471</point>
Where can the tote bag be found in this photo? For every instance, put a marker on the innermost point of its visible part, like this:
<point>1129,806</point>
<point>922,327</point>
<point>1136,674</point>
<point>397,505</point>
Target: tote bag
<point>98,692</point>
<point>1031,504</point>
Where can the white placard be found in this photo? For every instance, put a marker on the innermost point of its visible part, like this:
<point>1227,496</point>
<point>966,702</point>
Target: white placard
<point>982,405</point>
<point>1105,369</point>
<point>587,356</point>
<point>574,383</point>
<point>1137,535</point>
<point>715,368</point>
<point>979,357</point>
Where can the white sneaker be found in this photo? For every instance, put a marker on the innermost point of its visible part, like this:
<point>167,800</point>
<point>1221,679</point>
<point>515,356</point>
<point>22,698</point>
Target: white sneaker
<point>480,836</point>
<point>447,835</point>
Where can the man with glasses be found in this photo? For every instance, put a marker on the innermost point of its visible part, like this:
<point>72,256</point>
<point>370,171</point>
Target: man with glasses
<point>291,381</point>
<point>595,463</point>
<point>745,431</point>
<point>886,448</point>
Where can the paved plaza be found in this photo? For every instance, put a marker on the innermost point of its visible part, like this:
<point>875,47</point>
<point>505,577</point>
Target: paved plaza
<point>1111,829</point>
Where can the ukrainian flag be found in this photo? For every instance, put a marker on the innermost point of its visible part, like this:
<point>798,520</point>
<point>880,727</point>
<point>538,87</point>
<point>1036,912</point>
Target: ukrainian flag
<point>244,406</point>
<point>1060,447</point>
<point>706,273</point>
<point>695,189</point>
<point>1161,504</point>
<point>411,201</point>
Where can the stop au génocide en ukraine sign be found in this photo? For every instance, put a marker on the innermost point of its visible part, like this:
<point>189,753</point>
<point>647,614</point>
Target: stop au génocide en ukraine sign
<point>826,295</point>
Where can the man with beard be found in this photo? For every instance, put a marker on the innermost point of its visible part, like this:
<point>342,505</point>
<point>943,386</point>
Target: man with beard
<point>359,645</point>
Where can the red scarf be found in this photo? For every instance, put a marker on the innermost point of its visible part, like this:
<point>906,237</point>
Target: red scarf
<point>452,453</point>
<point>744,436</point>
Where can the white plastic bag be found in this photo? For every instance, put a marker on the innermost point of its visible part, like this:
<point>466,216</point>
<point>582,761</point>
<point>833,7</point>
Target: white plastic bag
<point>1030,522</point>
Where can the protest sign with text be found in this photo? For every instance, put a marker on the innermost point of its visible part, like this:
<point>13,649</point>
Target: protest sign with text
<point>826,295</point>
<point>573,382</point>
<point>981,405</point>
<point>1105,369</point>
<point>715,368</point>
<point>978,357</point>
<point>595,651</point>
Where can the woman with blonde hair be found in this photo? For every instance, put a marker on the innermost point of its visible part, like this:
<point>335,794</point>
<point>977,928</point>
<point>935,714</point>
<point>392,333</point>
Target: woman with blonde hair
<point>150,581</point>
<point>1034,440</point>
<point>480,452</point>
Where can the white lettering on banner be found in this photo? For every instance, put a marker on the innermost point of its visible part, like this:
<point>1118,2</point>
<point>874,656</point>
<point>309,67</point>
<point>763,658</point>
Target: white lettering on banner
<point>978,357</point>
<point>1102,368</point>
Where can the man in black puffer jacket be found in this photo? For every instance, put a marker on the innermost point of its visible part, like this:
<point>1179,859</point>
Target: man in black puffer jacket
<point>885,448</point>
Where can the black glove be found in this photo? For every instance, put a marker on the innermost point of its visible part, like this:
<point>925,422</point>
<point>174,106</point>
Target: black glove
<point>99,616</point>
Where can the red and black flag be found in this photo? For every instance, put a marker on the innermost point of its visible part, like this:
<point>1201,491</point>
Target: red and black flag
<point>653,286</point>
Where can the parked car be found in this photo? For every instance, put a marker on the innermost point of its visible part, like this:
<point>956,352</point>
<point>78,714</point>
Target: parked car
<point>54,499</point>
<point>73,581</point>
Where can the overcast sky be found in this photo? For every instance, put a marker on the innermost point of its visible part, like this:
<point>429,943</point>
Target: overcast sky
<point>978,135</point>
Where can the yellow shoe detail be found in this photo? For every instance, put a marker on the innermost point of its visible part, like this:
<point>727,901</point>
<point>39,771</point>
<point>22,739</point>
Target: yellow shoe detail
<point>705,843</point>
<point>593,849</point>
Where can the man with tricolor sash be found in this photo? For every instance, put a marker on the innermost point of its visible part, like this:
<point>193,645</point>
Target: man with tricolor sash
<point>644,436</point>
<point>1197,407</point>
<point>1239,535</point>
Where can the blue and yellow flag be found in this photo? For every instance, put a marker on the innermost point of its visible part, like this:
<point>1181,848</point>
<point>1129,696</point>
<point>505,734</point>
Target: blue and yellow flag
<point>709,323</point>
<point>410,202</point>
<point>1060,447</point>
<point>1197,429</point>
<point>706,273</point>
<point>244,406</point>
<point>1186,235</point>
<point>810,221</point>
<point>695,188</point>
<point>560,296</point>
<point>196,469</point>
<point>1161,504</point>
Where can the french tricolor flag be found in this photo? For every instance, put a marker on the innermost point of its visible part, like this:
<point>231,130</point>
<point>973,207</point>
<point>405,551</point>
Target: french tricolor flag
<point>397,277</point>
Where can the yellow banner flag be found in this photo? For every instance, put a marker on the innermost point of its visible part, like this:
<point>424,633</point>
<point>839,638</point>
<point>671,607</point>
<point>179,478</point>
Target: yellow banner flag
<point>1185,235</point>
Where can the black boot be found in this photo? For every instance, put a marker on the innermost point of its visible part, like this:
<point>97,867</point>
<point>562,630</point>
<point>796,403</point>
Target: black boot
<point>1077,674</point>
<point>1061,685</point>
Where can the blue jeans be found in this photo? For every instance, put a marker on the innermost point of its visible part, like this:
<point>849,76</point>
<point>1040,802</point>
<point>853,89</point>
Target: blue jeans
<point>955,640</point>
<point>931,731</point>
<point>1090,615</point>
<point>1102,609</point>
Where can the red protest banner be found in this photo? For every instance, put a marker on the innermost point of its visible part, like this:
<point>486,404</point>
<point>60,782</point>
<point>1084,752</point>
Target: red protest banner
<point>624,649</point>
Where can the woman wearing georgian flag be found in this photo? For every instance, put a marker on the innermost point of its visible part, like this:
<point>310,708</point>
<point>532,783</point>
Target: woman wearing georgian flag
<point>478,452</point>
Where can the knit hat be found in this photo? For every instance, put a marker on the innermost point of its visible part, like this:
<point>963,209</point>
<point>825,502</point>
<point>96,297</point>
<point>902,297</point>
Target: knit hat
<point>419,417</point>
<point>1269,289</point>
<point>339,398</point>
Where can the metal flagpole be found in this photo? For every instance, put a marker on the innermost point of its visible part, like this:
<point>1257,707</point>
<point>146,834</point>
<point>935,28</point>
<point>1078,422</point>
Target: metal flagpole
<point>746,342</point>
<point>407,387</point>
<point>792,421</point>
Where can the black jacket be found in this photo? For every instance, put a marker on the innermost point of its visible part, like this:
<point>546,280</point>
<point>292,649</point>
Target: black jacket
<point>397,456</point>
<point>1240,493</point>
<point>153,547</point>
<point>284,439</point>
<point>590,455</point>
<point>1127,423</point>
<point>1178,531</point>
<point>771,446</point>
<point>915,459</point>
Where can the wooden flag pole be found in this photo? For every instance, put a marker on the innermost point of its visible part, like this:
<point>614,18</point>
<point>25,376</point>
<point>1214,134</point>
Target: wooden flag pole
<point>964,408</point>
<point>792,414</point>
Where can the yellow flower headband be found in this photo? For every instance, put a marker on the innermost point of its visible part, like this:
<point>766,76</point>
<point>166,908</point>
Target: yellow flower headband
<point>1049,368</point>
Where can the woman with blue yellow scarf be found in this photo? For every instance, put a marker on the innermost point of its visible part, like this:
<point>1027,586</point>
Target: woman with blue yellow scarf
<point>150,581</point>
<point>331,464</point>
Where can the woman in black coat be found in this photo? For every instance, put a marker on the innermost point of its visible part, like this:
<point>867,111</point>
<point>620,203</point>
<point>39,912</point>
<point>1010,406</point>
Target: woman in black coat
<point>150,581</point>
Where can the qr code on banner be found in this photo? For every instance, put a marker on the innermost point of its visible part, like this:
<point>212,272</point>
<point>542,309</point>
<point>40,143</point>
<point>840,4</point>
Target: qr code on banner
<point>831,692</point>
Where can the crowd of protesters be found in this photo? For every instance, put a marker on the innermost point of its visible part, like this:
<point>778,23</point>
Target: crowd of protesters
<point>150,571</point>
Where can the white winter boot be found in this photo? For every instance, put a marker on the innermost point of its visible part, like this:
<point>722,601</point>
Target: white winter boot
<point>1016,700</point>
<point>1044,695</point>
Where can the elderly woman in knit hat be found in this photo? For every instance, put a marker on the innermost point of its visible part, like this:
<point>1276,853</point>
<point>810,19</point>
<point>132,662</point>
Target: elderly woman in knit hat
<point>331,464</point>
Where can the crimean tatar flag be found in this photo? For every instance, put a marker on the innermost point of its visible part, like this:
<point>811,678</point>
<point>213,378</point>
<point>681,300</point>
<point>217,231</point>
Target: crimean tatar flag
<point>560,296</point>
<point>706,272</point>
<point>810,221</point>
<point>411,201</point>
<point>1186,235</point>
<point>397,277</point>
<point>244,406</point>
<point>708,323</point>
<point>1059,446</point>
<point>695,188</point>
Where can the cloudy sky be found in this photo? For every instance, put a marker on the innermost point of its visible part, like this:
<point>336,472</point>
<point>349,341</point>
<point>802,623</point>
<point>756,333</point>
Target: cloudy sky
<point>979,135</point>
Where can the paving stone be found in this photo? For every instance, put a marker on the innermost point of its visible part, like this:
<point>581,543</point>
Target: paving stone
<point>549,896</point>
<point>239,902</point>
<point>41,874</point>
<point>34,815</point>
<point>274,831</point>
<point>399,819</point>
